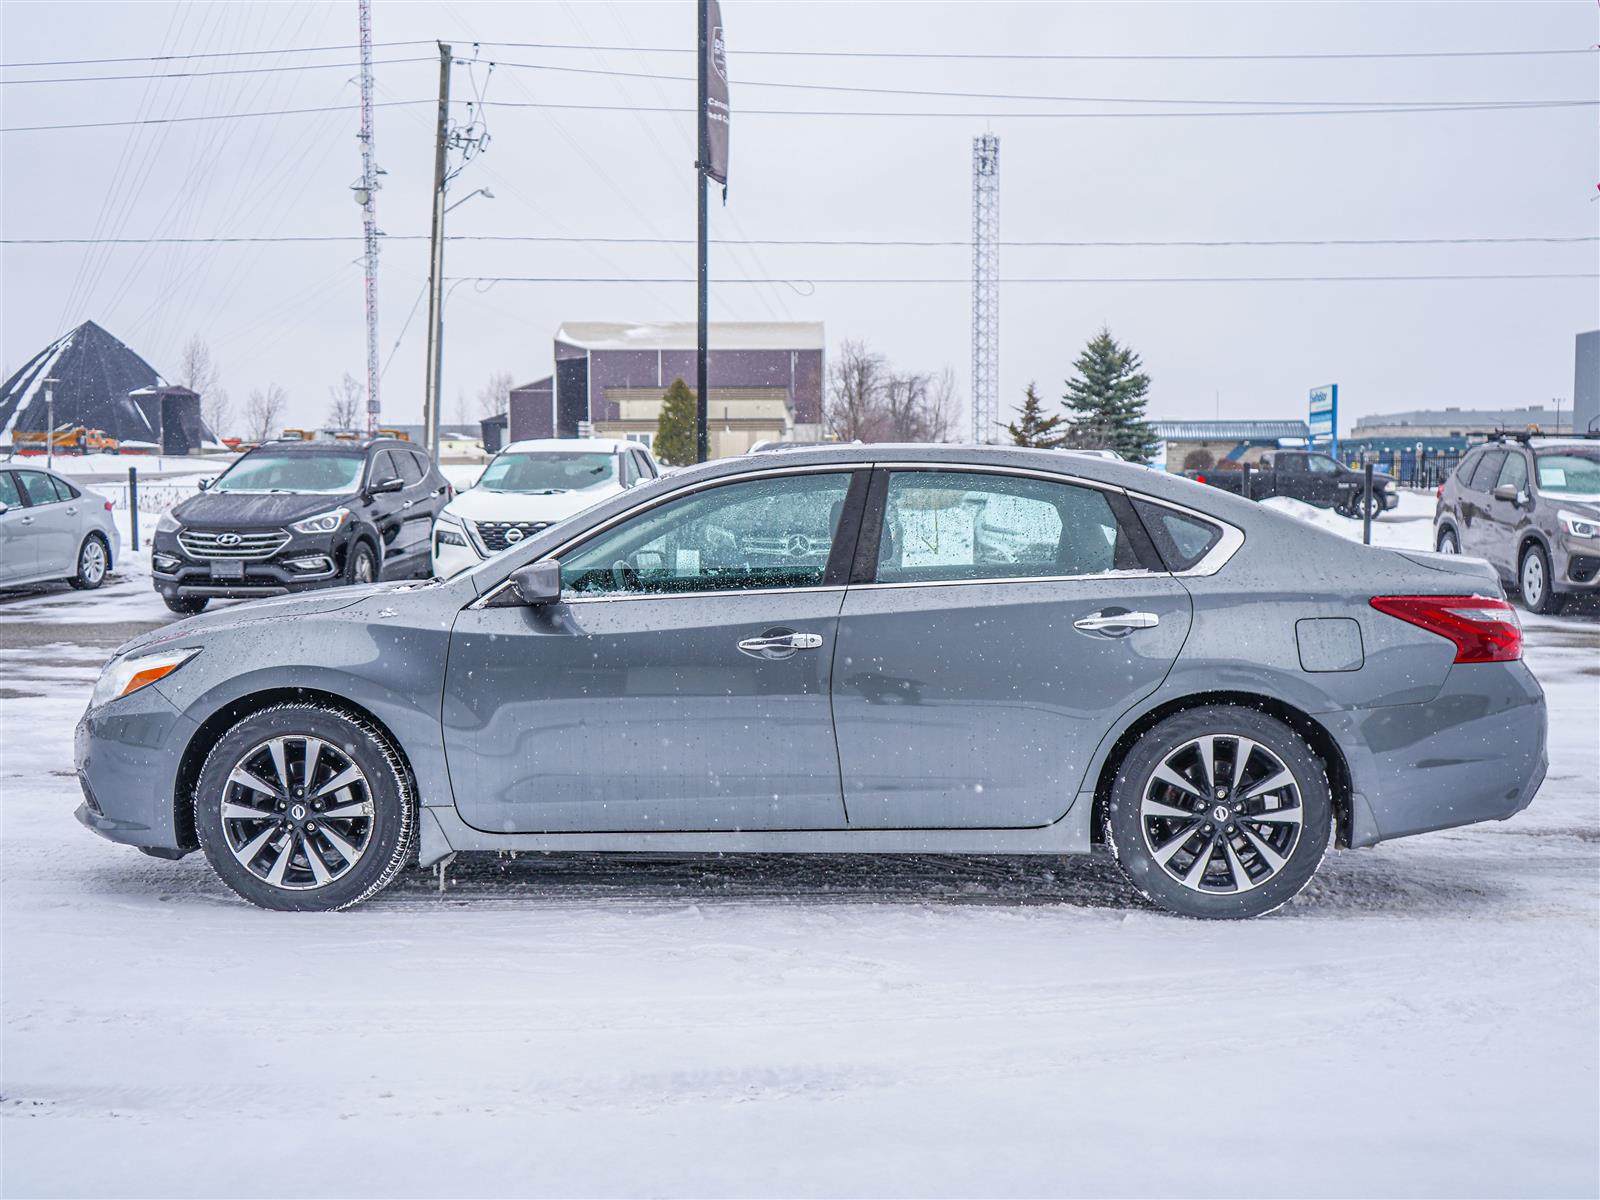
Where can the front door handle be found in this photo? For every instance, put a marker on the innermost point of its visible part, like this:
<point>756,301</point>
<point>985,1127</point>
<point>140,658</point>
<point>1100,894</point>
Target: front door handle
<point>1116,624</point>
<point>779,643</point>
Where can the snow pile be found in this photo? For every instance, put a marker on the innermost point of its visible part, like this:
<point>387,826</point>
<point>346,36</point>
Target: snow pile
<point>1407,527</point>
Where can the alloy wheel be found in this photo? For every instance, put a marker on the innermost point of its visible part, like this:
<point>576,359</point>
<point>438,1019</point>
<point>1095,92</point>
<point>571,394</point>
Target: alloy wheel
<point>1221,814</point>
<point>297,812</point>
<point>92,562</point>
<point>1532,578</point>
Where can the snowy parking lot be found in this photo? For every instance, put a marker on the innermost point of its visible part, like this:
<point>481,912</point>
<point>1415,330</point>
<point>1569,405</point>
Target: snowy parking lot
<point>1423,1021</point>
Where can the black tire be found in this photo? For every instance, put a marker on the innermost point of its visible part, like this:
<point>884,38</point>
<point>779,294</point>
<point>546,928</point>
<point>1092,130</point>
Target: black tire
<point>1446,542</point>
<point>94,561</point>
<point>1228,846</point>
<point>360,565</point>
<point>186,605</point>
<point>1534,582</point>
<point>383,835</point>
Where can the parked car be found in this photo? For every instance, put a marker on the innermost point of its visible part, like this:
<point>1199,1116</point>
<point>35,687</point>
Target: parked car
<point>1317,479</point>
<point>50,528</point>
<point>1531,507</point>
<point>291,516</point>
<point>900,649</point>
<point>528,487</point>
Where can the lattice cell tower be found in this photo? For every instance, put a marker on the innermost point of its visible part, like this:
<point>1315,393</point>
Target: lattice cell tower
<point>985,288</point>
<point>367,196</point>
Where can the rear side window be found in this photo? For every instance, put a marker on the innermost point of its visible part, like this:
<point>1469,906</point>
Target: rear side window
<point>1487,470</point>
<point>8,490</point>
<point>40,488</point>
<point>1181,539</point>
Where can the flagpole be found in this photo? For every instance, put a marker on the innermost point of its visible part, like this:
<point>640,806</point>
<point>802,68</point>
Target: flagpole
<point>702,155</point>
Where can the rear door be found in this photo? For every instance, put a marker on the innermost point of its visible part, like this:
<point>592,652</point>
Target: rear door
<point>996,626</point>
<point>18,547</point>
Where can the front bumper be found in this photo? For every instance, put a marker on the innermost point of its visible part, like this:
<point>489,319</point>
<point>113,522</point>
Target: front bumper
<point>306,562</point>
<point>127,754</point>
<point>1475,752</point>
<point>1576,566</point>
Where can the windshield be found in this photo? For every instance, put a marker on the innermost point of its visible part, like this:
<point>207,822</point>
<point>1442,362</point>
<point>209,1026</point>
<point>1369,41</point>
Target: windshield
<point>548,471</point>
<point>332,474</point>
<point>1570,471</point>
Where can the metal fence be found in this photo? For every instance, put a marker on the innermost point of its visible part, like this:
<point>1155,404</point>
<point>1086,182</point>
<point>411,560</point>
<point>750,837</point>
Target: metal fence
<point>1410,468</point>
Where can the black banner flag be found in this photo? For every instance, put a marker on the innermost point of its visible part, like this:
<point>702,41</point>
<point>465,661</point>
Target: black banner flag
<point>714,112</point>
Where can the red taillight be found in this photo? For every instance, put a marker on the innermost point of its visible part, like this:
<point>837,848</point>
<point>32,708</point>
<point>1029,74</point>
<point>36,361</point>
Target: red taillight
<point>1484,629</point>
<point>1199,478</point>
<point>1439,492</point>
<point>108,506</point>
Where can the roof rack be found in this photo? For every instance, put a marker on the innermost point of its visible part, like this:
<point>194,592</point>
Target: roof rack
<point>1527,435</point>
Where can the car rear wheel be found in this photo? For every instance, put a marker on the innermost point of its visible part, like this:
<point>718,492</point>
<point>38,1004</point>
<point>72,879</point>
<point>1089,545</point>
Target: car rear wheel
<point>186,605</point>
<point>1447,543</point>
<point>94,560</point>
<point>1220,812</point>
<point>1533,580</point>
<point>302,808</point>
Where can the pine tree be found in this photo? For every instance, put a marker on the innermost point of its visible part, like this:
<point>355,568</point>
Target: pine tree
<point>678,427</point>
<point>1105,400</point>
<point>1033,428</point>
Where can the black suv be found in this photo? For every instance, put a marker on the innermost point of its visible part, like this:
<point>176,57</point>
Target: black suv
<point>294,515</point>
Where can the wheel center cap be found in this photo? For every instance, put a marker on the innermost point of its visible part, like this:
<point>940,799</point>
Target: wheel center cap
<point>298,812</point>
<point>1221,813</point>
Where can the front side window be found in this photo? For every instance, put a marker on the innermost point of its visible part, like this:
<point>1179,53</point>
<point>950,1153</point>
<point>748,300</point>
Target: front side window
<point>1322,464</point>
<point>1573,471</point>
<point>1514,473</point>
<point>40,488</point>
<point>315,474</point>
<point>764,533</point>
<point>952,526</point>
<point>9,496</point>
<point>1487,470</point>
<point>406,463</point>
<point>544,472</point>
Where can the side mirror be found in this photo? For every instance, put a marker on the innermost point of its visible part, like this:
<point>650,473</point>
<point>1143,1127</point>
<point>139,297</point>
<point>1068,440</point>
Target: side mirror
<point>205,485</point>
<point>1506,491</point>
<point>392,484</point>
<point>4,508</point>
<point>538,582</point>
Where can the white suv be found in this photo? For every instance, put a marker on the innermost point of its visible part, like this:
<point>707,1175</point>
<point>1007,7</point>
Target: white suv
<point>528,486</point>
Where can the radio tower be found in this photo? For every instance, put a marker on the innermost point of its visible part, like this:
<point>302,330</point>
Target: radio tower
<point>367,196</point>
<point>985,287</point>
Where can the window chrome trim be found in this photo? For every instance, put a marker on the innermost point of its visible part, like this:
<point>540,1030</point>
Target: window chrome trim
<point>1215,558</point>
<point>995,579</point>
<point>611,597</point>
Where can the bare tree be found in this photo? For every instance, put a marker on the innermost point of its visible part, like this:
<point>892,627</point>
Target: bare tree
<point>495,396</point>
<point>201,373</point>
<point>264,411</point>
<point>870,402</point>
<point>347,401</point>
<point>856,379</point>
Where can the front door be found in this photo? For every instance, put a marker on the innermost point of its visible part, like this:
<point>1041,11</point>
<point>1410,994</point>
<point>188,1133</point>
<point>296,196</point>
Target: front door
<point>1503,520</point>
<point>1477,521</point>
<point>17,552</point>
<point>1006,623</point>
<point>681,683</point>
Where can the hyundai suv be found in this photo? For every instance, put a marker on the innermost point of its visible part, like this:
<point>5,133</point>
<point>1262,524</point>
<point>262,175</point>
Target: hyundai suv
<point>294,515</point>
<point>1531,506</point>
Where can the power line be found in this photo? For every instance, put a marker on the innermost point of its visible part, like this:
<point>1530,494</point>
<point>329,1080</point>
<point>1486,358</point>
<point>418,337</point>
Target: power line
<point>276,112</point>
<point>912,243</point>
<point>798,282</point>
<point>166,75</point>
<point>88,62</point>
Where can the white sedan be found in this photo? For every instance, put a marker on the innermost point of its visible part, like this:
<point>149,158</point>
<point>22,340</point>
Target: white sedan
<point>530,485</point>
<point>51,528</point>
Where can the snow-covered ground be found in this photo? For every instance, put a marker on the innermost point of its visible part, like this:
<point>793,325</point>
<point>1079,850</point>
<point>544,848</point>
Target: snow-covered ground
<point>1423,1021</point>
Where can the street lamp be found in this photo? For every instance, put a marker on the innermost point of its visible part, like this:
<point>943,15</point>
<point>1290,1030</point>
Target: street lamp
<point>50,420</point>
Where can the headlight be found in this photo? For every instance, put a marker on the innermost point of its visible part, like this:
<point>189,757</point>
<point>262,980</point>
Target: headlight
<point>323,522</point>
<point>124,676</point>
<point>1576,526</point>
<point>449,535</point>
<point>168,524</point>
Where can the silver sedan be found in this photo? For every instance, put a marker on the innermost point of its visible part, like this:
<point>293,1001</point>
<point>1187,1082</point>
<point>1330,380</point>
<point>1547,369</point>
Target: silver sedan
<point>50,528</point>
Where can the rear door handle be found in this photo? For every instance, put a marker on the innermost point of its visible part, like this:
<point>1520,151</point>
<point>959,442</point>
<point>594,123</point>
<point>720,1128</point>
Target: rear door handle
<point>25,521</point>
<point>1116,624</point>
<point>780,643</point>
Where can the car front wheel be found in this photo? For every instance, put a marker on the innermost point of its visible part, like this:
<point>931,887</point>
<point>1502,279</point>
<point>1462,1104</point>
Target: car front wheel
<point>1220,812</point>
<point>305,808</point>
<point>1533,580</point>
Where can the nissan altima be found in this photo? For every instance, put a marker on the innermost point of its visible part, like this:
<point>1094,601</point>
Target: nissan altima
<point>896,649</point>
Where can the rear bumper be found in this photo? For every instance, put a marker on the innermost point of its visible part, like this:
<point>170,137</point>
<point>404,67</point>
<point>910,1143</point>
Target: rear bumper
<point>127,754</point>
<point>1475,752</point>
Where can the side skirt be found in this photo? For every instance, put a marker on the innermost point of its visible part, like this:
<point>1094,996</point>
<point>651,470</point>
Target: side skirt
<point>443,833</point>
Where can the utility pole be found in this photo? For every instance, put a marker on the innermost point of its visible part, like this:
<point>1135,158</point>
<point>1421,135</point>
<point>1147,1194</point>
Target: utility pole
<point>366,196</point>
<point>431,397</point>
<point>50,419</point>
<point>702,161</point>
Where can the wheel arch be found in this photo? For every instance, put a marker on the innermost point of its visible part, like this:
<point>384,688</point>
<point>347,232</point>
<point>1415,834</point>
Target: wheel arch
<point>1322,744</point>
<point>218,723</point>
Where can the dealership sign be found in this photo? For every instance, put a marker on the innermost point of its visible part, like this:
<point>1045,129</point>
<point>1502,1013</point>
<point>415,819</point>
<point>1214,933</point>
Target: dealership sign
<point>1324,419</point>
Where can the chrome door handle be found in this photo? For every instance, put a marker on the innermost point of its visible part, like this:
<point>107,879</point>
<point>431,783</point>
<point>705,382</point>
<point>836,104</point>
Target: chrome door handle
<point>1116,624</point>
<point>25,521</point>
<point>72,512</point>
<point>780,645</point>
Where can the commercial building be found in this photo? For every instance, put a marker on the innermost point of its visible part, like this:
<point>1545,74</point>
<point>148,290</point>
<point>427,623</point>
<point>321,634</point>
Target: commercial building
<point>1460,424</point>
<point>765,379</point>
<point>1197,445</point>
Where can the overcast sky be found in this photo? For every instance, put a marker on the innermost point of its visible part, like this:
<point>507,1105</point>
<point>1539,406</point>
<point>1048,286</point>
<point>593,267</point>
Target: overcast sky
<point>292,313</point>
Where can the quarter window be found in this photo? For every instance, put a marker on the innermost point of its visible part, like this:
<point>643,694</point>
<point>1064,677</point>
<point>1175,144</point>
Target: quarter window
<point>956,525</point>
<point>1181,539</point>
<point>764,533</point>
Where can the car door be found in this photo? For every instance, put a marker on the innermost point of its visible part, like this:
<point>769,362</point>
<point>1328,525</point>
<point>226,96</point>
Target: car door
<point>416,508</point>
<point>1324,480</point>
<point>384,510</point>
<point>1503,520</point>
<point>18,552</point>
<point>54,529</point>
<point>1000,625</point>
<point>1476,531</point>
<point>682,681</point>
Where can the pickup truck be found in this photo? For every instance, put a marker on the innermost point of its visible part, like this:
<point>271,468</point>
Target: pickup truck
<point>1305,475</point>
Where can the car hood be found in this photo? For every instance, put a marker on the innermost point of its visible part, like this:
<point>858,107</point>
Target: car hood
<point>481,504</point>
<point>211,510</point>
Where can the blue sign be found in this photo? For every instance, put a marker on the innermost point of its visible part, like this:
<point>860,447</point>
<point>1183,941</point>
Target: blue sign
<point>1324,420</point>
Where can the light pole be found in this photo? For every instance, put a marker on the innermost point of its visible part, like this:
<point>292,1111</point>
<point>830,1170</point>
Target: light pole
<point>50,420</point>
<point>432,432</point>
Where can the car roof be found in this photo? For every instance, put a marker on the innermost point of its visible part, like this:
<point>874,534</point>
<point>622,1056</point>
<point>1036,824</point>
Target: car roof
<point>591,445</point>
<point>352,446</point>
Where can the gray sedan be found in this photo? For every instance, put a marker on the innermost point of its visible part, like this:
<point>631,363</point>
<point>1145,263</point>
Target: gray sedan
<point>898,649</point>
<point>50,528</point>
